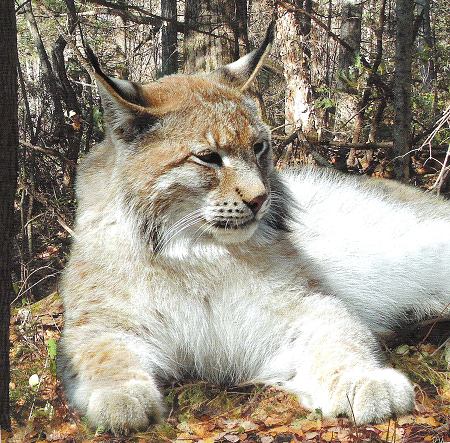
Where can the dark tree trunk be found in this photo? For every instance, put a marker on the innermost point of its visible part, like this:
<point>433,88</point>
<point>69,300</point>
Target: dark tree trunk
<point>72,140</point>
<point>169,38</point>
<point>9,143</point>
<point>351,34</point>
<point>402,88</point>
<point>350,110</point>
<point>426,45</point>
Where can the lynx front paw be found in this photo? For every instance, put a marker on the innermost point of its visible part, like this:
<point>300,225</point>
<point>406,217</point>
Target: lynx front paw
<point>372,396</point>
<point>130,407</point>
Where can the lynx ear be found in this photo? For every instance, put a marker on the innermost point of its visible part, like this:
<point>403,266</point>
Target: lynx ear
<point>126,110</point>
<point>242,72</point>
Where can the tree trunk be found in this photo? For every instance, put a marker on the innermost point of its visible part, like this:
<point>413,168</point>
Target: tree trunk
<point>426,46</point>
<point>402,88</point>
<point>294,30</point>
<point>9,144</point>
<point>225,31</point>
<point>72,140</point>
<point>349,109</point>
<point>347,76</point>
<point>169,38</point>
<point>351,34</point>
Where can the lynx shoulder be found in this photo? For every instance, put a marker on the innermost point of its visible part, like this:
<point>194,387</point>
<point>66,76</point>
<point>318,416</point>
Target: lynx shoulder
<point>193,257</point>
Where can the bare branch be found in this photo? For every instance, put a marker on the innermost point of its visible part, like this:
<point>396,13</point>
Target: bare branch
<point>50,152</point>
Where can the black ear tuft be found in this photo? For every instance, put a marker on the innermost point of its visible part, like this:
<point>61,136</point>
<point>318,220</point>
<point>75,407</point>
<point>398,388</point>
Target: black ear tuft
<point>270,35</point>
<point>127,90</point>
<point>93,60</point>
<point>124,105</point>
<point>242,72</point>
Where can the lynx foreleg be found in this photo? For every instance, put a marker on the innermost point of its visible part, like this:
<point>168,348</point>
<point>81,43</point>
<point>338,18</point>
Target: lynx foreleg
<point>338,367</point>
<point>105,380</point>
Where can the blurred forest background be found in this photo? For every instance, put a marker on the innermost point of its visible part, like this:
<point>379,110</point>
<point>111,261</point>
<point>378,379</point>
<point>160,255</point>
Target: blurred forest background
<point>358,86</point>
<point>362,87</point>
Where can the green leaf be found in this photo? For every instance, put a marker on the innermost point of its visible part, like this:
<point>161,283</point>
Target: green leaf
<point>51,348</point>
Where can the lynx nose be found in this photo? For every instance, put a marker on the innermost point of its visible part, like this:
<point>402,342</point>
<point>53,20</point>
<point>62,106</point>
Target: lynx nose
<point>256,203</point>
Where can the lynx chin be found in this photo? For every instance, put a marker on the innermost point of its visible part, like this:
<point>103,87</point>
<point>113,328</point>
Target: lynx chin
<point>192,256</point>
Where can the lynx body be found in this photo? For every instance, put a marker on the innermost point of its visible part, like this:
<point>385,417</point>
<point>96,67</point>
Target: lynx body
<point>193,257</point>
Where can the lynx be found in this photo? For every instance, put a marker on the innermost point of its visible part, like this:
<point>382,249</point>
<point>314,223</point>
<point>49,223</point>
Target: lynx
<point>194,257</point>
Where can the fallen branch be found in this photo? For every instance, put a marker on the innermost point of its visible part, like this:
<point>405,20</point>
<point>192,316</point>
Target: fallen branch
<point>434,324</point>
<point>60,216</point>
<point>359,146</point>
<point>299,135</point>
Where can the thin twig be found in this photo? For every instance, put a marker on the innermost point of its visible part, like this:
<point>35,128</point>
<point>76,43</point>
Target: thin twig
<point>353,416</point>
<point>48,151</point>
<point>434,324</point>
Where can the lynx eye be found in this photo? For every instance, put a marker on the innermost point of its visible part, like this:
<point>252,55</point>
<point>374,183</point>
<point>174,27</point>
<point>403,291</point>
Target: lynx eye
<point>259,147</point>
<point>209,158</point>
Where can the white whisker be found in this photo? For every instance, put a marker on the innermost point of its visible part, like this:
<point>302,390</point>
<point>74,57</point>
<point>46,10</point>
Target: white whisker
<point>181,225</point>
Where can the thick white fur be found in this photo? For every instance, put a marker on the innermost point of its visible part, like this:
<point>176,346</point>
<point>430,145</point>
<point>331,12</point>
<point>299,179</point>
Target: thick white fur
<point>380,247</point>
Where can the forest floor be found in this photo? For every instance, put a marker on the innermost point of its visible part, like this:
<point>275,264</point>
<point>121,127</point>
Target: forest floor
<point>203,413</point>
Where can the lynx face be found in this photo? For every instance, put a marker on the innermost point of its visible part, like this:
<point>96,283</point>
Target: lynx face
<point>194,164</point>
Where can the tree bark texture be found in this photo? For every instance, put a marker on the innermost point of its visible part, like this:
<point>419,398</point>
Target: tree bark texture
<point>351,34</point>
<point>426,45</point>
<point>226,20</point>
<point>348,110</point>
<point>169,38</point>
<point>9,142</point>
<point>402,88</point>
<point>294,31</point>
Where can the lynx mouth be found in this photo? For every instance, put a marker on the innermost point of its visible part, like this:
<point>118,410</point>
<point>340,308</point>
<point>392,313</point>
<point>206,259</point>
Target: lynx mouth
<point>234,231</point>
<point>233,223</point>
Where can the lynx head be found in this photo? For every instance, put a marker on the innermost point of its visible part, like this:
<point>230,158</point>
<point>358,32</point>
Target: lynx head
<point>192,155</point>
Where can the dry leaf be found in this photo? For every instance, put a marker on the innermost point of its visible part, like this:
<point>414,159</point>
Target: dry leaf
<point>430,421</point>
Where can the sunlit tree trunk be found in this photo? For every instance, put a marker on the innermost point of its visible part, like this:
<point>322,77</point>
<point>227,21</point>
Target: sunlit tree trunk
<point>294,30</point>
<point>9,143</point>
